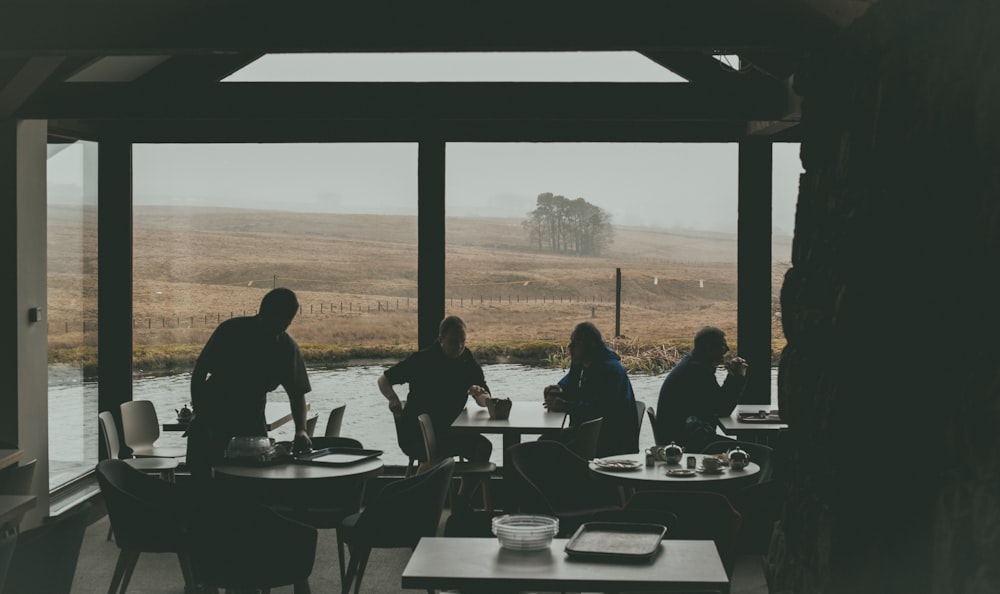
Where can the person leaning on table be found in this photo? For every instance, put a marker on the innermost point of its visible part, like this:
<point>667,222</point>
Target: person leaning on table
<point>691,399</point>
<point>245,358</point>
<point>596,385</point>
<point>441,379</point>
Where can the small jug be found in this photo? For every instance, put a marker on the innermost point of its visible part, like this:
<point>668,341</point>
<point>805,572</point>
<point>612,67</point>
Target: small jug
<point>738,458</point>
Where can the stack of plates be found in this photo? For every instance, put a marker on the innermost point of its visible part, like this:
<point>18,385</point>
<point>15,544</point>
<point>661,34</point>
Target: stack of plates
<point>525,532</point>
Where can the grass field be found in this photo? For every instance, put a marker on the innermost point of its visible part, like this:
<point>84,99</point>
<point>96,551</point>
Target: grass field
<point>356,280</point>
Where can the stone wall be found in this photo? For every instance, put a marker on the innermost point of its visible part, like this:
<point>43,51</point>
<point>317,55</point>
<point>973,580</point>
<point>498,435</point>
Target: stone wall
<point>891,377</point>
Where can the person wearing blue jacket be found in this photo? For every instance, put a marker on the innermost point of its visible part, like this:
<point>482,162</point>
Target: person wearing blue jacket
<point>597,385</point>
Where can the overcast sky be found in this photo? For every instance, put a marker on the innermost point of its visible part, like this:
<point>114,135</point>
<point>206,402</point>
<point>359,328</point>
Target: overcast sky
<point>664,185</point>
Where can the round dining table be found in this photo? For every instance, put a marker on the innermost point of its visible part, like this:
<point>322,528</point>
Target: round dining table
<point>665,476</point>
<point>296,485</point>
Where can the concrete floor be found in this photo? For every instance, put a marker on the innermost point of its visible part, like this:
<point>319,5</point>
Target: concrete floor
<point>159,573</point>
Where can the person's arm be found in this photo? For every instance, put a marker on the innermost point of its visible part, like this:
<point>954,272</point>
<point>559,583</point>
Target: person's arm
<point>478,390</point>
<point>297,402</point>
<point>479,394</point>
<point>728,395</point>
<point>202,367</point>
<point>385,387</point>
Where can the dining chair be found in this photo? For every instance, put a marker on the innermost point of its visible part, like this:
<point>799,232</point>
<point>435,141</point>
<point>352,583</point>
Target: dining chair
<point>326,505</point>
<point>550,479</point>
<point>403,513</point>
<point>16,480</point>
<point>658,437</point>
<point>477,471</point>
<point>701,515</point>
<point>334,421</point>
<point>241,545</point>
<point>45,557</point>
<point>640,412</point>
<point>8,541</point>
<point>141,429</point>
<point>413,462</point>
<point>584,442</point>
<point>147,516</point>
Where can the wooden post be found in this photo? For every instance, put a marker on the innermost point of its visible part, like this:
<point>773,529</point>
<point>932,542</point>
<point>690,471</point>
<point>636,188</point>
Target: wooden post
<point>618,302</point>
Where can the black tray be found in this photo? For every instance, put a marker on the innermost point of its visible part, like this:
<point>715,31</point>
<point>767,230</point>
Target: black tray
<point>616,541</point>
<point>337,456</point>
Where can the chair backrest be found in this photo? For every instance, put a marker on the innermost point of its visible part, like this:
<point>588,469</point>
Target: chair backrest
<point>549,479</point>
<point>651,413</point>
<point>146,512</point>
<point>701,515</point>
<point>406,510</point>
<point>45,557</point>
<point>140,425</point>
<point>584,442</point>
<point>640,412</point>
<point>242,545</point>
<point>430,440</point>
<point>16,480</point>
<point>334,421</point>
<point>109,433</point>
<point>311,424</point>
<point>760,454</point>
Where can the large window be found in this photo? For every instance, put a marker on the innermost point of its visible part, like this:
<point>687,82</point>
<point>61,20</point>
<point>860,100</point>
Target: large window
<point>72,309</point>
<point>217,226</point>
<point>787,169</point>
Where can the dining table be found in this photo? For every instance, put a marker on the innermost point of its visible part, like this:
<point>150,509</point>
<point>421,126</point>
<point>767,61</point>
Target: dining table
<point>747,424</point>
<point>276,414</point>
<point>633,473</point>
<point>481,565</point>
<point>526,418</point>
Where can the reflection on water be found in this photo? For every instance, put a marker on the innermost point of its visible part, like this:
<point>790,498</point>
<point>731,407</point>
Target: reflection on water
<point>367,417</point>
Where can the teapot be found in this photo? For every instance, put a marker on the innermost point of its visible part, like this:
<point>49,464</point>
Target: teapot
<point>738,458</point>
<point>670,453</point>
<point>184,414</point>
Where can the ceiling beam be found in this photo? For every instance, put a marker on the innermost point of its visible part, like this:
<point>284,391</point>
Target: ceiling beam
<point>28,79</point>
<point>177,27</point>
<point>389,102</point>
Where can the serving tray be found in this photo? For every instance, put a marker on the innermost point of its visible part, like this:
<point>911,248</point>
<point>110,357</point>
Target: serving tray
<point>771,417</point>
<point>617,541</point>
<point>336,456</point>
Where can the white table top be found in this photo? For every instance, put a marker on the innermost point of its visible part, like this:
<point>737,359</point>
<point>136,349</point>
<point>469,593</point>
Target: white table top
<point>12,507</point>
<point>296,472</point>
<point>478,564</point>
<point>525,417</point>
<point>657,475</point>
<point>732,425</point>
<point>9,457</point>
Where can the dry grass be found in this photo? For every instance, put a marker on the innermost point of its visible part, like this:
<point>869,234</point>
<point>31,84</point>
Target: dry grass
<point>356,280</point>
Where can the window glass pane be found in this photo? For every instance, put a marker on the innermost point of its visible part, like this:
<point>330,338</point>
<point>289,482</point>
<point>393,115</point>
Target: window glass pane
<point>663,214</point>
<point>217,226</point>
<point>785,190</point>
<point>72,309</point>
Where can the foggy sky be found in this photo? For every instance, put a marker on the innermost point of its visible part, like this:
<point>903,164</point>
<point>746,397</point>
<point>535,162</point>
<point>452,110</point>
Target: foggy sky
<point>664,185</point>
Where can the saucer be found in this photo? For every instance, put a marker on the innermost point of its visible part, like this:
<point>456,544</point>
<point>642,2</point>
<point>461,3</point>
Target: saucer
<point>618,464</point>
<point>704,470</point>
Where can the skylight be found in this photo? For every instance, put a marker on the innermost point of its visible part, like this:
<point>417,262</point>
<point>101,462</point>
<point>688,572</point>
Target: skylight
<point>456,67</point>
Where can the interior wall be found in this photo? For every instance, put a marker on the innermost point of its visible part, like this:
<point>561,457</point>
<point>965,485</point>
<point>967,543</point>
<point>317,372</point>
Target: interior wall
<point>891,377</point>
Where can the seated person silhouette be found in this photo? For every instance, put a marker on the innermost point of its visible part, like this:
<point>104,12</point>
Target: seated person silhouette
<point>596,385</point>
<point>691,399</point>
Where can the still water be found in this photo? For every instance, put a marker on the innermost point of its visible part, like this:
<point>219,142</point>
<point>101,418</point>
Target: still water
<point>367,416</point>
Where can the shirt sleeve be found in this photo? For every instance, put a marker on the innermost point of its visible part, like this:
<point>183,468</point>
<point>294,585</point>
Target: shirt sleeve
<point>404,371</point>
<point>299,378</point>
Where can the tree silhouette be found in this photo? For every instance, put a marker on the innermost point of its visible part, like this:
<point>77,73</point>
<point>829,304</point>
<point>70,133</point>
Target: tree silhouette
<point>563,225</point>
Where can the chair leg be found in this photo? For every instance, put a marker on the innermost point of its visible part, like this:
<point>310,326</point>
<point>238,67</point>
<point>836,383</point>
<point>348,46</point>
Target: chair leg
<point>187,570</point>
<point>487,498</point>
<point>362,565</point>
<point>111,531</point>
<point>340,556</point>
<point>300,587</point>
<point>123,571</point>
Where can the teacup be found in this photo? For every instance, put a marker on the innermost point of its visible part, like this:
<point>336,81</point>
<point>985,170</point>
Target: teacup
<point>711,463</point>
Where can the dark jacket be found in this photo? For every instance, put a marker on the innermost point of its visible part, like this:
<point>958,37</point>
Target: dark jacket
<point>603,390</point>
<point>691,401</point>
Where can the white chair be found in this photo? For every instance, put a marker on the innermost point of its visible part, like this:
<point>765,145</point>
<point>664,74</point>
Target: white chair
<point>462,469</point>
<point>141,429</point>
<point>334,422</point>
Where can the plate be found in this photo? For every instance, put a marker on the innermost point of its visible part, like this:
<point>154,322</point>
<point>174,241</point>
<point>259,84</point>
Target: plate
<point>704,470</point>
<point>617,464</point>
<point>681,472</point>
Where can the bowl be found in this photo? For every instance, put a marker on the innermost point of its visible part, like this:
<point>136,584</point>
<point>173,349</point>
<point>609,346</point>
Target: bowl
<point>525,532</point>
<point>249,447</point>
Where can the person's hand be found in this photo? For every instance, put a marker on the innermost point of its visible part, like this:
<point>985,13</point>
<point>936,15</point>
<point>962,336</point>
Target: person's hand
<point>396,407</point>
<point>737,366</point>
<point>550,393</point>
<point>555,403</point>
<point>479,394</point>
<point>302,442</point>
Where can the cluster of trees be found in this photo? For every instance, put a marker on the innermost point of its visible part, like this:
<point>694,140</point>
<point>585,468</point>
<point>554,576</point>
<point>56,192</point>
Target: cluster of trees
<point>563,225</point>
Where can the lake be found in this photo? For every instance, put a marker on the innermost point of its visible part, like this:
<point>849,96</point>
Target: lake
<point>367,416</point>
